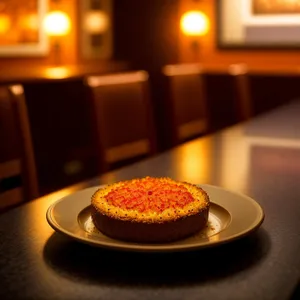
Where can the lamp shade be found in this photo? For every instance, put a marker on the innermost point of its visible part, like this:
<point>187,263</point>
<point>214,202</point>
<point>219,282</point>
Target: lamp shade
<point>96,21</point>
<point>57,23</point>
<point>194,23</point>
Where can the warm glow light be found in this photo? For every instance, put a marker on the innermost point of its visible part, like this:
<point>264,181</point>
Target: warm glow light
<point>96,22</point>
<point>57,72</point>
<point>182,69</point>
<point>4,23</point>
<point>214,238</point>
<point>17,89</point>
<point>229,142</point>
<point>120,78</point>
<point>194,23</point>
<point>57,23</point>
<point>194,162</point>
<point>238,69</point>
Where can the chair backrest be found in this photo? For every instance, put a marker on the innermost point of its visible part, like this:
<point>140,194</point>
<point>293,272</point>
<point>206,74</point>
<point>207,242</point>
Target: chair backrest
<point>123,116</point>
<point>61,132</point>
<point>227,95</point>
<point>18,181</point>
<point>271,89</point>
<point>243,101</point>
<point>187,101</point>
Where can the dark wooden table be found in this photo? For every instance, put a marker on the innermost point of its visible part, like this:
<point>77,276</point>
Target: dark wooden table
<point>260,158</point>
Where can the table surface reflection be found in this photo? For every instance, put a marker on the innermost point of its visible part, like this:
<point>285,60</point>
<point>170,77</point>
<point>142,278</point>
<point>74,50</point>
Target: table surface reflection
<point>260,158</point>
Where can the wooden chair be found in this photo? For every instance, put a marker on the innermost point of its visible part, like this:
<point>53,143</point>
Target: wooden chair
<point>227,96</point>
<point>61,133</point>
<point>243,100</point>
<point>18,181</point>
<point>123,117</point>
<point>260,91</point>
<point>270,89</point>
<point>187,102</point>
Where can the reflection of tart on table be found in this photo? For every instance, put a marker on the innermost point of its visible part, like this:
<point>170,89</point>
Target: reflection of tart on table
<point>150,210</point>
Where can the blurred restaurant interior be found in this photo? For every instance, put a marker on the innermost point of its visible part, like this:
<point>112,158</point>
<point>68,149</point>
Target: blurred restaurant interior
<point>88,86</point>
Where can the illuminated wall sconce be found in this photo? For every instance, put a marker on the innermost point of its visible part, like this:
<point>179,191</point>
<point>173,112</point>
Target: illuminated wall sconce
<point>57,24</point>
<point>96,21</point>
<point>194,23</point>
<point>57,72</point>
<point>96,34</point>
<point>5,23</point>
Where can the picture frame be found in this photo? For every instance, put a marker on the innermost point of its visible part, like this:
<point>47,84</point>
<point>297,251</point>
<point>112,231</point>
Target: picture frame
<point>258,24</point>
<point>96,29</point>
<point>22,32</point>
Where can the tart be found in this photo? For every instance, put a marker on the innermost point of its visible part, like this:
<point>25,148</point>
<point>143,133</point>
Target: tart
<point>150,210</point>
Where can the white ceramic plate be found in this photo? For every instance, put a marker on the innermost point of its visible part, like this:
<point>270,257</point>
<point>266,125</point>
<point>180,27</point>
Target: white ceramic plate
<point>231,216</point>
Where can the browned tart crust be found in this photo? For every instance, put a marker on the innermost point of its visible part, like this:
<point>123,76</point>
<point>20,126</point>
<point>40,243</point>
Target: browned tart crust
<point>150,210</point>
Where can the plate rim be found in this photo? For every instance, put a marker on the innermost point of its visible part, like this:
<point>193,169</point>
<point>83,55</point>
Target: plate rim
<point>166,247</point>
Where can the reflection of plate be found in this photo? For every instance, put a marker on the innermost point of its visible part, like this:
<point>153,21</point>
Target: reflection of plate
<point>231,216</point>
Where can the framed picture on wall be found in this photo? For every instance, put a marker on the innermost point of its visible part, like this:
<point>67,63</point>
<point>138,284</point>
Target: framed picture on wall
<point>21,30</point>
<point>96,34</point>
<point>258,24</point>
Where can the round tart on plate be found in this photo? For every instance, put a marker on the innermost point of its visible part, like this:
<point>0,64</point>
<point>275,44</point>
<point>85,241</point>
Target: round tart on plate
<point>150,210</point>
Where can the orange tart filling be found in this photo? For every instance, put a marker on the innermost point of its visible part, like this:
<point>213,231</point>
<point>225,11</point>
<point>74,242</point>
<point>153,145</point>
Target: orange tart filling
<point>149,195</point>
<point>150,200</point>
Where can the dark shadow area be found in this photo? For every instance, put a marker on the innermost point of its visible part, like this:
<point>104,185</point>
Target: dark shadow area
<point>95,265</point>
<point>296,293</point>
